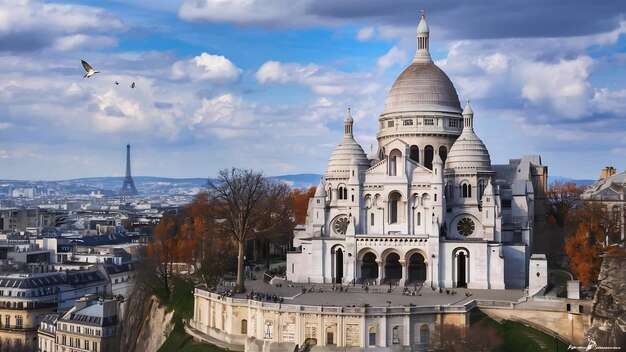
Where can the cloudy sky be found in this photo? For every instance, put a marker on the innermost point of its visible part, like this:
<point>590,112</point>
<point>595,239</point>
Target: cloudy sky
<point>264,84</point>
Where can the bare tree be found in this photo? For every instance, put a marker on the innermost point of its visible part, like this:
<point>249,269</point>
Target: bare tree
<point>246,204</point>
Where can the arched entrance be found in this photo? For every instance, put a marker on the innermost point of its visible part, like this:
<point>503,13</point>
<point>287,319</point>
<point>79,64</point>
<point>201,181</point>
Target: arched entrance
<point>417,268</point>
<point>369,268</point>
<point>338,265</point>
<point>393,269</point>
<point>461,272</point>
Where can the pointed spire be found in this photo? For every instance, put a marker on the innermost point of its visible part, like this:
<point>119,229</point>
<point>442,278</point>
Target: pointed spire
<point>320,191</point>
<point>348,122</point>
<point>423,33</point>
<point>468,117</point>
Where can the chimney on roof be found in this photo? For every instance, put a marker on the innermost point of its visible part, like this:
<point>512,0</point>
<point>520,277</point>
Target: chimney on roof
<point>607,171</point>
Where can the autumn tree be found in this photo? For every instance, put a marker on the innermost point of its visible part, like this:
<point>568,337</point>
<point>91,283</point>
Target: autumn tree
<point>301,203</point>
<point>583,253</point>
<point>245,204</point>
<point>563,200</point>
<point>161,255</point>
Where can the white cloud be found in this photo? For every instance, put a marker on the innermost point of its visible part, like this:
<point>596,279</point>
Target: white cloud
<point>272,13</point>
<point>395,56</point>
<point>74,41</point>
<point>610,101</point>
<point>206,67</point>
<point>277,72</point>
<point>32,24</point>
<point>562,84</point>
<point>366,33</point>
<point>4,154</point>
<point>321,80</point>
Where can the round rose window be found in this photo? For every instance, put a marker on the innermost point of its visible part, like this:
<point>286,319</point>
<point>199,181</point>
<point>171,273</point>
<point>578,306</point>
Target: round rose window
<point>340,225</point>
<point>465,226</point>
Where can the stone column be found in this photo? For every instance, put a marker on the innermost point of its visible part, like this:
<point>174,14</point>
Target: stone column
<point>407,328</point>
<point>340,332</point>
<point>380,270</point>
<point>383,331</point>
<point>321,341</point>
<point>364,337</point>
<point>405,272</point>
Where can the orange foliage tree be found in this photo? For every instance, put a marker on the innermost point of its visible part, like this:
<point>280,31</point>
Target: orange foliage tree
<point>301,203</point>
<point>583,253</point>
<point>162,253</point>
<point>563,201</point>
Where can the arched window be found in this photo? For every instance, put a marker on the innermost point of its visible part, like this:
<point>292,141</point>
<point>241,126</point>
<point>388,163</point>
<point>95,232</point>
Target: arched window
<point>244,327</point>
<point>372,336</point>
<point>394,199</point>
<point>443,153</point>
<point>481,189</point>
<point>395,335</point>
<point>394,160</point>
<point>419,219</point>
<point>345,193</point>
<point>414,153</point>
<point>429,153</point>
<point>424,334</point>
<point>372,219</point>
<point>466,190</point>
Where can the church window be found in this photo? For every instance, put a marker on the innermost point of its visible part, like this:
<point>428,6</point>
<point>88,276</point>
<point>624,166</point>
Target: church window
<point>429,122</point>
<point>414,153</point>
<point>407,122</point>
<point>345,193</point>
<point>340,224</point>
<point>449,190</point>
<point>353,197</point>
<point>453,123</point>
<point>443,153</point>
<point>465,226</point>
<point>395,335</point>
<point>435,197</point>
<point>372,219</point>
<point>393,207</point>
<point>392,166</point>
<point>429,153</point>
<point>390,123</point>
<point>481,188</point>
<point>466,190</point>
<point>419,219</point>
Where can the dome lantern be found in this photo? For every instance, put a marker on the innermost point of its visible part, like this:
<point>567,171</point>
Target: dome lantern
<point>423,33</point>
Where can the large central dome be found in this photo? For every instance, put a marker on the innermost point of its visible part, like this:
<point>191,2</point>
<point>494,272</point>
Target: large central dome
<point>422,87</point>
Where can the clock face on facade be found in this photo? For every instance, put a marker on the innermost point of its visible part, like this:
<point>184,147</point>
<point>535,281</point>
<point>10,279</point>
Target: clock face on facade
<point>340,224</point>
<point>466,226</point>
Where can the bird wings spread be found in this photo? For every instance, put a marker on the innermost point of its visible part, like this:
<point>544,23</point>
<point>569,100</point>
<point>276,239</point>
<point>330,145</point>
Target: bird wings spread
<point>86,66</point>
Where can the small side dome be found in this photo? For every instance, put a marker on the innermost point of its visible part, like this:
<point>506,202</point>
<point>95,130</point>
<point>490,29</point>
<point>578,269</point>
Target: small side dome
<point>469,151</point>
<point>348,153</point>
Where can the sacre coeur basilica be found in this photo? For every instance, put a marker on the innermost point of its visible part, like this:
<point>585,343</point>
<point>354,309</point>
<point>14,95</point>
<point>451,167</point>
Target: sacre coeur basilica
<point>391,237</point>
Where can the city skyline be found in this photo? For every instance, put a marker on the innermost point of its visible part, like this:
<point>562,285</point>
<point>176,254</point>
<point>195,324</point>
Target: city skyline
<point>265,85</point>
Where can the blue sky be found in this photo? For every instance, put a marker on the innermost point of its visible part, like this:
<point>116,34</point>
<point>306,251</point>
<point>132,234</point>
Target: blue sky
<point>264,84</point>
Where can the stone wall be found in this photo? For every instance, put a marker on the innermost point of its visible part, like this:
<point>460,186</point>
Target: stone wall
<point>608,324</point>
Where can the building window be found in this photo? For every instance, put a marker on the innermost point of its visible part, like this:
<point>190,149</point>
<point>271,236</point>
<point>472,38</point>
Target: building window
<point>429,122</point>
<point>372,336</point>
<point>395,335</point>
<point>466,190</point>
<point>390,123</point>
<point>453,123</point>
<point>419,218</point>
<point>94,346</point>
<point>19,321</point>
<point>244,324</point>
<point>7,321</point>
<point>407,122</point>
<point>394,199</point>
<point>392,165</point>
<point>372,219</point>
<point>86,344</point>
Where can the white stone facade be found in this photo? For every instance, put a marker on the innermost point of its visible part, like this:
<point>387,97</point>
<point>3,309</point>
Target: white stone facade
<point>428,207</point>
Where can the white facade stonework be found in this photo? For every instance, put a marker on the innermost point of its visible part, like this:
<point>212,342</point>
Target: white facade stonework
<point>428,207</point>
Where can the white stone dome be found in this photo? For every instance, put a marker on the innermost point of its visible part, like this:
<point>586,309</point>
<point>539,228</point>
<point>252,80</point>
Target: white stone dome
<point>422,87</point>
<point>468,151</point>
<point>348,151</point>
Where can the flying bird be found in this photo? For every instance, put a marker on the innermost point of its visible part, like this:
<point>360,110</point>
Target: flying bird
<point>132,86</point>
<point>89,69</point>
<point>117,83</point>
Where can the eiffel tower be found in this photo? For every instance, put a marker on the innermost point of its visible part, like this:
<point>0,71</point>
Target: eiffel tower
<point>128,189</point>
